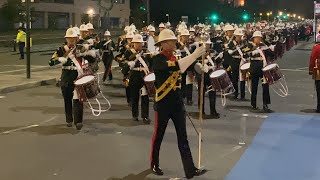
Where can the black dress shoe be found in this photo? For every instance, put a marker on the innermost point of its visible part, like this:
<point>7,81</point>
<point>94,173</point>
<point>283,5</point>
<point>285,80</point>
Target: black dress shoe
<point>157,170</point>
<point>243,99</point>
<point>254,108</point>
<point>215,115</point>
<point>79,126</point>
<point>197,172</point>
<point>146,121</point>
<point>135,119</point>
<point>266,109</point>
<point>69,124</point>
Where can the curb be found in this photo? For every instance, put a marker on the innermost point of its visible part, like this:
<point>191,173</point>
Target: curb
<point>45,82</point>
<point>32,70</point>
<point>20,87</point>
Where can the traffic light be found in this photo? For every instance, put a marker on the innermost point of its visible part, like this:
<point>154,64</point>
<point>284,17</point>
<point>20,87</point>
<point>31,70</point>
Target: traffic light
<point>214,17</point>
<point>245,17</point>
<point>142,8</point>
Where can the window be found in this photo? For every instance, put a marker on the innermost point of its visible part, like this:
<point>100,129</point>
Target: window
<point>119,1</point>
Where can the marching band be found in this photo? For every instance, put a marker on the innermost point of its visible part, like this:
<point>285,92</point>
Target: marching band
<point>166,66</point>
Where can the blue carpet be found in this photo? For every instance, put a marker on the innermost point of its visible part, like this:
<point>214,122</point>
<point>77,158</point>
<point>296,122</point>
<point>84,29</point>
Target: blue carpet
<point>287,147</point>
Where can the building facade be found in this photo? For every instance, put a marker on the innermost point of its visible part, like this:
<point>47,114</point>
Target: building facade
<point>60,14</point>
<point>235,3</point>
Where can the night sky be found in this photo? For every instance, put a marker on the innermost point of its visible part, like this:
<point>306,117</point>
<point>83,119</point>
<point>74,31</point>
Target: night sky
<point>177,8</point>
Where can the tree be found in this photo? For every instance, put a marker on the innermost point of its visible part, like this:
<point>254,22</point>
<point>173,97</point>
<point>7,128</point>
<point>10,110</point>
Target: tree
<point>13,11</point>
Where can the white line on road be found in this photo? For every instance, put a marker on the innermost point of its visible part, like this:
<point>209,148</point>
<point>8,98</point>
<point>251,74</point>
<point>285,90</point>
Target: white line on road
<point>295,70</point>
<point>255,116</point>
<point>303,68</point>
<point>4,72</point>
<point>19,129</point>
<point>28,127</point>
<point>232,150</point>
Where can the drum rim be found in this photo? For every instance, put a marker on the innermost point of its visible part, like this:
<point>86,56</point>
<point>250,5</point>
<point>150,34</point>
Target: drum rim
<point>75,82</point>
<point>273,65</point>
<point>148,76</point>
<point>244,65</point>
<point>224,72</point>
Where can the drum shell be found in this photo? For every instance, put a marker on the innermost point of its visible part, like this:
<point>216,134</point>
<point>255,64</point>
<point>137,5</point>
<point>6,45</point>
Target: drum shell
<point>273,75</point>
<point>221,83</point>
<point>151,88</point>
<point>87,90</point>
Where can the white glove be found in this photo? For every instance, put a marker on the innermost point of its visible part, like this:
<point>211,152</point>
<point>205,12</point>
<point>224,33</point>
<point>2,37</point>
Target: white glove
<point>199,52</point>
<point>62,60</point>
<point>91,53</point>
<point>205,68</point>
<point>219,56</point>
<point>255,52</point>
<point>86,46</point>
<point>230,51</point>
<point>81,54</point>
<point>90,41</point>
<point>138,56</point>
<point>131,64</point>
<point>272,47</point>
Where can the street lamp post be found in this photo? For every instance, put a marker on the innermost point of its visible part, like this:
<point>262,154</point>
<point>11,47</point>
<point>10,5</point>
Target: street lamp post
<point>28,70</point>
<point>168,16</point>
<point>268,14</point>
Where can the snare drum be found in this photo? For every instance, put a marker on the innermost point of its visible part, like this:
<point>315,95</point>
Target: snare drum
<point>87,87</point>
<point>220,81</point>
<point>245,71</point>
<point>272,73</point>
<point>149,82</point>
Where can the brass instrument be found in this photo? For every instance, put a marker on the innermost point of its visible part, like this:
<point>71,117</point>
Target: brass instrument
<point>316,72</point>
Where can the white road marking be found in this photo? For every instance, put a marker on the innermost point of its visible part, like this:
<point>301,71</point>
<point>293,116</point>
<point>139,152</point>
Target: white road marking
<point>28,127</point>
<point>295,70</point>
<point>303,68</point>
<point>232,150</point>
<point>255,116</point>
<point>19,129</point>
<point>38,67</point>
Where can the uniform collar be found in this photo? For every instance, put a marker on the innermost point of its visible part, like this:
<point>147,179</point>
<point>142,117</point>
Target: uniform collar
<point>169,55</point>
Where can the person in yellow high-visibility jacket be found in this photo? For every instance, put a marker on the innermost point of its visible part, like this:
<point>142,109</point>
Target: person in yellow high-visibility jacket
<point>21,40</point>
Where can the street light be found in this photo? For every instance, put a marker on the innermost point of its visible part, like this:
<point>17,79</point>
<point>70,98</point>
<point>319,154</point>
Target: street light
<point>299,17</point>
<point>260,14</point>
<point>90,13</point>
<point>168,16</point>
<point>294,15</point>
<point>280,13</point>
<point>28,37</point>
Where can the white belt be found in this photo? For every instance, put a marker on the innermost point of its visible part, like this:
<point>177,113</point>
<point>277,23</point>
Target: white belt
<point>257,59</point>
<point>138,69</point>
<point>69,68</point>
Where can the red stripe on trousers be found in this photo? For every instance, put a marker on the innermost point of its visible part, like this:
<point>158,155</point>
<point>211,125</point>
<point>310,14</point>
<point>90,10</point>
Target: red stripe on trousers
<point>154,135</point>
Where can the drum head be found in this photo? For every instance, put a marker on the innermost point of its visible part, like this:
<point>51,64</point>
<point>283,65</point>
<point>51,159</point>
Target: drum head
<point>245,66</point>
<point>270,66</point>
<point>150,77</point>
<point>217,73</point>
<point>84,80</point>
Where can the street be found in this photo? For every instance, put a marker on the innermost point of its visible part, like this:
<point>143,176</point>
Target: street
<point>37,145</point>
